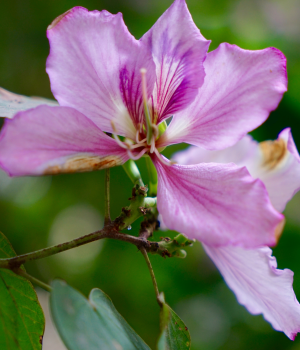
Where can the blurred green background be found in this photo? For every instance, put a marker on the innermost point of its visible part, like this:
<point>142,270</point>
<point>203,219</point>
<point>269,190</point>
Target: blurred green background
<point>37,212</point>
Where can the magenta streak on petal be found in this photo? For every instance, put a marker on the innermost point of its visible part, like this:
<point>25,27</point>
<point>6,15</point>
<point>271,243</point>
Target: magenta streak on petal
<point>131,95</point>
<point>178,52</point>
<point>218,204</point>
<point>240,89</point>
<point>174,97</point>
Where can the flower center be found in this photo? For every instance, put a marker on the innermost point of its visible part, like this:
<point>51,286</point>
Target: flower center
<point>146,134</point>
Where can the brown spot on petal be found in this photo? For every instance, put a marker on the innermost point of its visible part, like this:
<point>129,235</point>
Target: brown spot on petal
<point>80,164</point>
<point>278,230</point>
<point>273,152</point>
<point>57,20</point>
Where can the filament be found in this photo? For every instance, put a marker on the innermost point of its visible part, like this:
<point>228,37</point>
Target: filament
<point>138,156</point>
<point>166,162</point>
<point>116,137</point>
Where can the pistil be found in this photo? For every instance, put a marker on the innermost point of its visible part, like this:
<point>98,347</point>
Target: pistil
<point>146,108</point>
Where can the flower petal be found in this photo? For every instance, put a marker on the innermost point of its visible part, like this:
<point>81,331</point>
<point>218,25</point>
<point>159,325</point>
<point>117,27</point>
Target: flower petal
<point>240,89</point>
<point>259,286</point>
<point>52,140</point>
<point>243,150</point>
<point>11,103</point>
<point>276,163</point>
<point>216,204</point>
<point>94,66</point>
<point>278,166</point>
<point>178,50</point>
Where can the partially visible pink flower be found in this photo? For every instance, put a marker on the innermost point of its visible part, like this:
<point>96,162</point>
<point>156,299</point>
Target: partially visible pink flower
<point>107,82</point>
<point>252,274</point>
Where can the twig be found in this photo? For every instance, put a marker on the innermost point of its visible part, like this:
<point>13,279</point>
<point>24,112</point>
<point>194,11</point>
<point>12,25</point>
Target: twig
<point>108,231</point>
<point>107,219</point>
<point>17,261</point>
<point>144,252</point>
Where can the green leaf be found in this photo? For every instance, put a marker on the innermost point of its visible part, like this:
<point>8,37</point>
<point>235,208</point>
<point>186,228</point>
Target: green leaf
<point>174,333</point>
<point>21,317</point>
<point>92,323</point>
<point>11,103</point>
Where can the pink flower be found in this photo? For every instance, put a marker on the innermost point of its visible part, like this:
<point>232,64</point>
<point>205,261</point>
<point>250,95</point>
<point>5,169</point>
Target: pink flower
<point>252,274</point>
<point>107,82</point>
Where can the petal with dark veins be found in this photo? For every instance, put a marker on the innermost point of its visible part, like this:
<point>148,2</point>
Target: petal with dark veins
<point>53,140</point>
<point>240,89</point>
<point>178,50</point>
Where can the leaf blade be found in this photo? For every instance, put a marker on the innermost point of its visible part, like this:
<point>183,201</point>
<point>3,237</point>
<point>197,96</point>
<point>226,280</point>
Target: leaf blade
<point>21,317</point>
<point>90,324</point>
<point>174,333</point>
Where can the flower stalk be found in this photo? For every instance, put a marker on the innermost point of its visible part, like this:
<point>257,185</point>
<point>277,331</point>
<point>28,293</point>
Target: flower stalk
<point>148,262</point>
<point>146,108</point>
<point>139,206</point>
<point>133,172</point>
<point>152,177</point>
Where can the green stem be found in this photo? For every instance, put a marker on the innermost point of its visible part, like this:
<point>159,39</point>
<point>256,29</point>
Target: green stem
<point>133,172</point>
<point>17,261</point>
<point>107,219</point>
<point>107,232</point>
<point>152,177</point>
<point>32,279</point>
<point>144,252</point>
<point>135,210</point>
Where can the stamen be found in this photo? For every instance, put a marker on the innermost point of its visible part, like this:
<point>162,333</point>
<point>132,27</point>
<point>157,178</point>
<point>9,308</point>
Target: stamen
<point>154,136</point>
<point>152,145</point>
<point>113,125</point>
<point>138,156</point>
<point>116,137</point>
<point>120,143</point>
<point>138,145</point>
<point>137,137</point>
<point>143,140</point>
<point>146,109</point>
<point>166,162</point>
<point>155,131</point>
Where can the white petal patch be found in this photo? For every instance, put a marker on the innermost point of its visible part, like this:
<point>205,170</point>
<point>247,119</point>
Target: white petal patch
<point>11,103</point>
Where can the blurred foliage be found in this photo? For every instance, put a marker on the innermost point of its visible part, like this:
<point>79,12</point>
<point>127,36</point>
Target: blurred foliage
<point>31,208</point>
